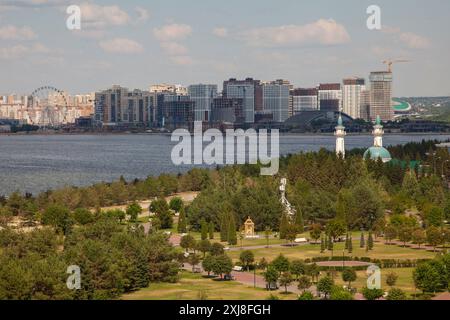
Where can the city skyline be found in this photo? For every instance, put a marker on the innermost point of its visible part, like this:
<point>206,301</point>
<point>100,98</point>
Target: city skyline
<point>136,44</point>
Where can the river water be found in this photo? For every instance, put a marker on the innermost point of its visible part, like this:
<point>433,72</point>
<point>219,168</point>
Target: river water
<point>36,163</point>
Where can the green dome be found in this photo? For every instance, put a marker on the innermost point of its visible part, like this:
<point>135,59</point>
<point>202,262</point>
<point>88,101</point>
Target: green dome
<point>378,152</point>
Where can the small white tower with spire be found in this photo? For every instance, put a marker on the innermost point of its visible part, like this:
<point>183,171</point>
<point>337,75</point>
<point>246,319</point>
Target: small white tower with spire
<point>340,135</point>
<point>378,133</point>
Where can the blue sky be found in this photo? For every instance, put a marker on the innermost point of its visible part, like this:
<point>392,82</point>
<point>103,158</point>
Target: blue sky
<point>139,43</point>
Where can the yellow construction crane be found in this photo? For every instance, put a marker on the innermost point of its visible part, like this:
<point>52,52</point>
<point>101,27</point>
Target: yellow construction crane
<point>389,63</point>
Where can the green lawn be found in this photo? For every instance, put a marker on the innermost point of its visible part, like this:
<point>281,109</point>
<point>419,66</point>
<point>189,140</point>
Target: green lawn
<point>191,286</point>
<point>380,251</point>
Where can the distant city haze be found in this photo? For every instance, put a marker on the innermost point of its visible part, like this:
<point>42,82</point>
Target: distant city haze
<point>136,44</point>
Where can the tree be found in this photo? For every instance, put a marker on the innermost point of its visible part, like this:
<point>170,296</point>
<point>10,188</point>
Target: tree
<point>204,246</point>
<point>271,276</point>
<point>434,236</point>
<point>222,265</point>
<point>281,264</point>
<point>291,233</point>
<point>208,263</point>
<point>391,279</point>
<point>322,244</point>
<point>372,294</point>
<point>335,228</point>
<point>133,211</point>
<point>299,223</point>
<point>362,241</point>
<point>435,217</point>
<point>83,216</point>
<point>161,209</point>
<point>430,276</point>
<point>396,294</point>
<point>58,217</point>
<point>304,283</point>
<point>211,230</point>
<point>370,241</point>
<point>176,203</point>
<point>267,234</point>
<point>306,296</point>
<point>419,237</point>
<point>350,245</point>
<point>297,268</point>
<point>390,233</point>
<point>194,260</point>
<point>217,249</point>
<point>232,238</point>
<point>187,242</point>
<point>405,235</point>
<point>325,285</point>
<point>313,271</point>
<point>285,280</point>
<point>349,275</point>
<point>247,258</point>
<point>284,225</point>
<point>330,245</point>
<point>339,293</point>
<point>262,264</point>
<point>182,226</point>
<point>204,229</point>
<point>315,232</point>
<point>223,228</point>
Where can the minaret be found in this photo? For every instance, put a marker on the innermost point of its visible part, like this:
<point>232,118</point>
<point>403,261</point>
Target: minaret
<point>378,133</point>
<point>340,134</point>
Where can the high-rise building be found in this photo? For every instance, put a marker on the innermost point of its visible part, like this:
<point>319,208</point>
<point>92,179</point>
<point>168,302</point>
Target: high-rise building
<point>304,100</point>
<point>177,112</point>
<point>351,99</point>
<point>250,91</point>
<point>203,96</point>
<point>381,95</point>
<point>228,110</point>
<point>276,100</point>
<point>330,96</point>
<point>119,106</point>
<point>364,107</point>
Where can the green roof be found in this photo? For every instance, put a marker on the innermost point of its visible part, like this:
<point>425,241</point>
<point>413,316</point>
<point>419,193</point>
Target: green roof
<point>378,152</point>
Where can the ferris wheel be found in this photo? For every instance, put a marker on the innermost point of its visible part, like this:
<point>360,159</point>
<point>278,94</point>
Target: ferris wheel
<point>47,107</point>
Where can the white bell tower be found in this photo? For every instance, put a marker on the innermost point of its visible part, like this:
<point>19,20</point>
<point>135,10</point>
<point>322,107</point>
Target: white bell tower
<point>340,135</point>
<point>378,133</point>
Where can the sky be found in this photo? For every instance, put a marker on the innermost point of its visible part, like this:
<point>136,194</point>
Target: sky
<point>137,43</point>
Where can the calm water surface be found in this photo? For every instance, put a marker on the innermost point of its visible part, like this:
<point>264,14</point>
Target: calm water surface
<point>37,163</point>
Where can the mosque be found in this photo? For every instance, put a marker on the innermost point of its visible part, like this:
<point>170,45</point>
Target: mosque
<point>376,152</point>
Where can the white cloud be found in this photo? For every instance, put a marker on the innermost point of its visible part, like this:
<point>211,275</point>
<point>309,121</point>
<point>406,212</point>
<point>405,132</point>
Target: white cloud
<point>220,32</point>
<point>20,51</point>
<point>11,32</point>
<point>172,32</point>
<point>323,32</point>
<point>97,16</point>
<point>121,45</point>
<point>414,41</point>
<point>174,49</point>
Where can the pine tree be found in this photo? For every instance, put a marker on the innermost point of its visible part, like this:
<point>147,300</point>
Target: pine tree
<point>346,241</point>
<point>211,230</point>
<point>223,228</point>
<point>370,241</point>
<point>232,238</point>
<point>322,244</point>
<point>330,245</point>
<point>350,245</point>
<point>362,241</point>
<point>299,223</point>
<point>182,228</point>
<point>204,229</point>
<point>284,226</point>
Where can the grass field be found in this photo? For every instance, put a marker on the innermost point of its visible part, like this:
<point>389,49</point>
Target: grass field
<point>380,251</point>
<point>191,286</point>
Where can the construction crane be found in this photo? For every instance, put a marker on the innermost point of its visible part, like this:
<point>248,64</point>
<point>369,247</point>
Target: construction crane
<point>389,63</point>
